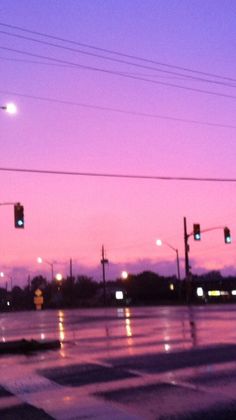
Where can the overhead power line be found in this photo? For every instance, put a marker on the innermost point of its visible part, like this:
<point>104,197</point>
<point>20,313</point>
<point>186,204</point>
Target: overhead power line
<point>44,63</point>
<point>120,61</point>
<point>50,64</point>
<point>117,53</point>
<point>118,110</point>
<point>120,74</point>
<point>117,175</point>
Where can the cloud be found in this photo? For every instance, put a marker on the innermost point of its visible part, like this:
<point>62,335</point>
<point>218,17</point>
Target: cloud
<point>22,274</point>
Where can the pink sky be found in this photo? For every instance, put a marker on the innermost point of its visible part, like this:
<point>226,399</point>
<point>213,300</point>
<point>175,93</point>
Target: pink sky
<point>71,217</point>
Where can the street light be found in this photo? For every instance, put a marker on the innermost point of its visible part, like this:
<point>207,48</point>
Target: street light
<point>124,275</point>
<point>2,275</point>
<point>159,242</point>
<point>59,277</point>
<point>9,108</point>
<point>40,261</point>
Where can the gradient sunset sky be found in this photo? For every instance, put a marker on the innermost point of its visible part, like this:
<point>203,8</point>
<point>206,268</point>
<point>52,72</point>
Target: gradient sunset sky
<point>67,130</point>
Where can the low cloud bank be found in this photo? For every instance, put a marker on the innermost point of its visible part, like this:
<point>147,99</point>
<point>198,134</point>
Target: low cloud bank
<point>21,275</point>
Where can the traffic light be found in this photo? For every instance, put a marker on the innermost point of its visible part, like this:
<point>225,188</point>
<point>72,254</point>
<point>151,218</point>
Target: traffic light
<point>19,216</point>
<point>196,232</point>
<point>227,235</point>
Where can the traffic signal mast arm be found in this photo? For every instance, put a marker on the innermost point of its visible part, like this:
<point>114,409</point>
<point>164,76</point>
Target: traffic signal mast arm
<point>207,230</point>
<point>9,204</point>
<point>18,213</point>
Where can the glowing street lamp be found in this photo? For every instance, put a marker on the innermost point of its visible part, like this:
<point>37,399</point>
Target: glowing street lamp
<point>9,108</point>
<point>159,242</point>
<point>2,275</point>
<point>41,261</point>
<point>124,275</point>
<point>59,277</point>
<point>9,277</point>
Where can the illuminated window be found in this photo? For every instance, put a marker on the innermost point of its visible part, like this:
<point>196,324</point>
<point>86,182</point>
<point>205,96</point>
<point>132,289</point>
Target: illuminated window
<point>119,295</point>
<point>213,293</point>
<point>200,292</point>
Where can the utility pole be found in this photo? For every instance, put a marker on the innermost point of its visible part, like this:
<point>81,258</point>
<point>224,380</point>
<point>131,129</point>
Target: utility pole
<point>71,269</point>
<point>104,261</point>
<point>52,271</point>
<point>177,259</point>
<point>28,280</point>
<point>186,248</point>
<point>187,266</point>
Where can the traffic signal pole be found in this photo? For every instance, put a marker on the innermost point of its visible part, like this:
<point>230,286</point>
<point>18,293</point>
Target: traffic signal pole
<point>186,248</point>
<point>187,266</point>
<point>196,233</point>
<point>104,261</point>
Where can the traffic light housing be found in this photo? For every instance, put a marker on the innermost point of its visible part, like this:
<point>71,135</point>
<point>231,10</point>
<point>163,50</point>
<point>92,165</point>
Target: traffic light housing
<point>196,232</point>
<point>227,235</point>
<point>19,216</point>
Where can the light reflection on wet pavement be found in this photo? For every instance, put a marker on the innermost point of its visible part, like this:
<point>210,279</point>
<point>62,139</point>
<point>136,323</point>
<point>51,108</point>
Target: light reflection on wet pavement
<point>126,363</point>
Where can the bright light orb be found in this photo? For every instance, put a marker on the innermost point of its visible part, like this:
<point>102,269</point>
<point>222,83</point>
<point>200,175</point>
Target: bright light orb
<point>11,108</point>
<point>119,295</point>
<point>200,292</point>
<point>59,277</point>
<point>159,242</point>
<point>39,260</point>
<point>124,275</point>
<point>1,274</point>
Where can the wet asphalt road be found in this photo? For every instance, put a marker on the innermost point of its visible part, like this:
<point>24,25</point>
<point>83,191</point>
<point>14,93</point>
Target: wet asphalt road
<point>122,363</point>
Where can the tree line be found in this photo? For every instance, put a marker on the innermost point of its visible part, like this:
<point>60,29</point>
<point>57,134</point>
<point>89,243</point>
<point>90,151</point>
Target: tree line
<point>146,288</point>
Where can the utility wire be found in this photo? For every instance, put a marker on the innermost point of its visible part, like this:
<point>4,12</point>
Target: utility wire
<point>116,73</point>
<point>117,60</point>
<point>118,53</point>
<point>118,110</point>
<point>44,63</point>
<point>116,175</point>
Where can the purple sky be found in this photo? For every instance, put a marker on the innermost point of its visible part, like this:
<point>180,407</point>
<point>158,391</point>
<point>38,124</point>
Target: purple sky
<point>71,217</point>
